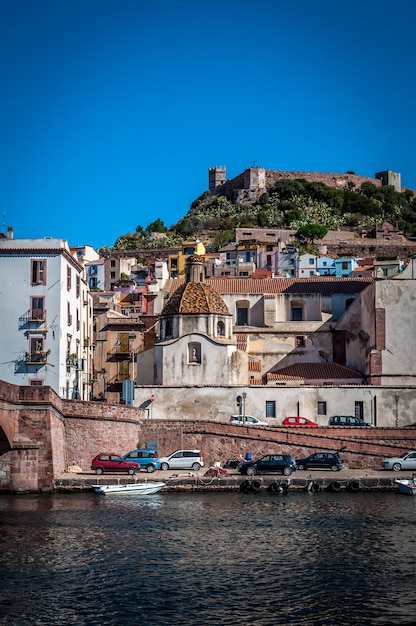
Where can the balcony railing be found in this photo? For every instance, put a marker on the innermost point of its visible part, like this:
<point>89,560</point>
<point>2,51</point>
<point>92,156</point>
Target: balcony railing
<point>37,315</point>
<point>121,353</point>
<point>33,316</point>
<point>32,358</point>
<point>74,361</point>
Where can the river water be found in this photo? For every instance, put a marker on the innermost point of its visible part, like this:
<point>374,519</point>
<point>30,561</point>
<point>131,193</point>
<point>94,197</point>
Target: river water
<point>185,559</point>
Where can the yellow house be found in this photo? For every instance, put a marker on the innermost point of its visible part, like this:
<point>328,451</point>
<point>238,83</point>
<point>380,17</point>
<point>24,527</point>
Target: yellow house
<point>177,262</point>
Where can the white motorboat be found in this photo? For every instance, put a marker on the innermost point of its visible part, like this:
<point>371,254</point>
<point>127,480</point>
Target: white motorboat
<point>407,486</point>
<point>133,489</point>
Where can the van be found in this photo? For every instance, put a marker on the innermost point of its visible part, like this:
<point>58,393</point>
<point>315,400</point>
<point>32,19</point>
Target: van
<point>347,420</point>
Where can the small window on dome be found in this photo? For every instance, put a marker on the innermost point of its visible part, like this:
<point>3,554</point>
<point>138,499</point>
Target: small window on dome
<point>168,328</point>
<point>221,329</point>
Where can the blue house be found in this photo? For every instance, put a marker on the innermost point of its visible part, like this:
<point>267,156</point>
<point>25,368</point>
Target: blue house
<point>345,266</point>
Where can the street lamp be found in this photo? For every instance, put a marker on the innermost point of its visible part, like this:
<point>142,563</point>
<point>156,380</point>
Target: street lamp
<point>132,337</point>
<point>244,405</point>
<point>396,399</point>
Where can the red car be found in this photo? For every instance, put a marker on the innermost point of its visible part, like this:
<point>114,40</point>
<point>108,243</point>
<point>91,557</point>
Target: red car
<point>111,463</point>
<point>298,420</point>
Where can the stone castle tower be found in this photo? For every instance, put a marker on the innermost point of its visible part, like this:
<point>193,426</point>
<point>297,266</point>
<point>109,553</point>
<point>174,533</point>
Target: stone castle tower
<point>216,176</point>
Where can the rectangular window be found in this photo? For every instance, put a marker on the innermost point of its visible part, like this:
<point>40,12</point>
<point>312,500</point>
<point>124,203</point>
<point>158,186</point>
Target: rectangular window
<point>78,286</point>
<point>69,314</point>
<point>242,316</point>
<point>359,409</point>
<point>36,308</point>
<point>270,408</point>
<point>112,274</point>
<point>112,263</point>
<point>68,278</point>
<point>36,345</point>
<point>36,382</point>
<point>124,372</point>
<point>78,320</point>
<point>311,261</point>
<point>321,407</point>
<point>300,341</point>
<point>38,271</point>
<point>297,314</point>
<point>344,265</point>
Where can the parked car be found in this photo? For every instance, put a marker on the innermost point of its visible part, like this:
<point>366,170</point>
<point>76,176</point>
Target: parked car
<point>322,460</point>
<point>407,461</point>
<point>147,459</point>
<point>298,420</point>
<point>347,420</point>
<point>269,464</point>
<point>109,462</point>
<point>246,420</point>
<point>182,459</point>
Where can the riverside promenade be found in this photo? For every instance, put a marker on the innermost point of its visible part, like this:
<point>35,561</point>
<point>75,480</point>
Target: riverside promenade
<point>217,479</point>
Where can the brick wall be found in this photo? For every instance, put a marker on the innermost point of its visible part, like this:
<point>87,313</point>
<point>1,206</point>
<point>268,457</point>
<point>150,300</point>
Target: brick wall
<point>41,434</point>
<point>219,442</point>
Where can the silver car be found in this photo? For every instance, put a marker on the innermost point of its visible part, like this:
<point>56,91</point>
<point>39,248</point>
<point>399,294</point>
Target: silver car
<point>182,459</point>
<point>407,461</point>
<point>246,420</point>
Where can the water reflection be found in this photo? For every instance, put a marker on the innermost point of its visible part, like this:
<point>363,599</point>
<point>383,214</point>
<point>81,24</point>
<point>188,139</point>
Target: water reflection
<point>207,559</point>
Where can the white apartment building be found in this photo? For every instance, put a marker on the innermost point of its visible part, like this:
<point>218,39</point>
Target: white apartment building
<point>46,317</point>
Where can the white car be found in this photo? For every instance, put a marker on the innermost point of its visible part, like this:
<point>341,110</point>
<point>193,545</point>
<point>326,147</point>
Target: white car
<point>246,420</point>
<point>406,461</point>
<point>182,459</point>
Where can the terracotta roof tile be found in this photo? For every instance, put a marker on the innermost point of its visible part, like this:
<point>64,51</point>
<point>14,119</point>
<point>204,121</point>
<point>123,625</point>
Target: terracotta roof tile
<point>314,371</point>
<point>195,298</point>
<point>324,285</point>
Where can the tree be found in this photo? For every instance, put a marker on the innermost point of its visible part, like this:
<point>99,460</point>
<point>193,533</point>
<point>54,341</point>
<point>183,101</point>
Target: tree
<point>156,227</point>
<point>310,232</point>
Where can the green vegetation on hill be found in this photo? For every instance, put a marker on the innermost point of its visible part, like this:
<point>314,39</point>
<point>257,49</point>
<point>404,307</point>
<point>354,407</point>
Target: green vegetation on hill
<point>291,204</point>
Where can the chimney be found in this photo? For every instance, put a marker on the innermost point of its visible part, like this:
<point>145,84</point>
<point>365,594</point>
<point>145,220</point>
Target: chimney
<point>10,232</point>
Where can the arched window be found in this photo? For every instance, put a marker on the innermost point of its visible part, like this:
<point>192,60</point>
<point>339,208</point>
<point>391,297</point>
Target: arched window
<point>220,329</point>
<point>168,328</point>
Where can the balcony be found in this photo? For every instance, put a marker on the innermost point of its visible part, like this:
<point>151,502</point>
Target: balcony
<point>73,361</point>
<point>33,317</point>
<point>36,358</point>
<point>121,353</point>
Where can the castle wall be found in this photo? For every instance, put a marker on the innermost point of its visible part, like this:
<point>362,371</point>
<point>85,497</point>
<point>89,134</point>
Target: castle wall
<point>250,184</point>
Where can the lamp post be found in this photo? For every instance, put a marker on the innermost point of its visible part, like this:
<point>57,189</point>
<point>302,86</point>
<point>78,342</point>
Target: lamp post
<point>132,337</point>
<point>244,405</point>
<point>396,399</point>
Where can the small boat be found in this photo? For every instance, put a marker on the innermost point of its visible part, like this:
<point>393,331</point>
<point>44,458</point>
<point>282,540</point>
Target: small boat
<point>407,486</point>
<point>135,489</point>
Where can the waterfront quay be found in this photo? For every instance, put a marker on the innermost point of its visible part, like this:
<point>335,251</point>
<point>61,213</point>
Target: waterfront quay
<point>215,479</point>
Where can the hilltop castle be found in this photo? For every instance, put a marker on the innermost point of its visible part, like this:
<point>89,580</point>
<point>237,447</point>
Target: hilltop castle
<point>254,181</point>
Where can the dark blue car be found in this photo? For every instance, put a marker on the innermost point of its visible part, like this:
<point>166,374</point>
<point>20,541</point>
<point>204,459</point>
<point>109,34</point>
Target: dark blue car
<point>322,460</point>
<point>269,464</point>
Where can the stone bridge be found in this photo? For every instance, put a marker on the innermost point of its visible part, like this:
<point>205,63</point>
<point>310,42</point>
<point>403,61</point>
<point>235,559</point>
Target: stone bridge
<point>41,435</point>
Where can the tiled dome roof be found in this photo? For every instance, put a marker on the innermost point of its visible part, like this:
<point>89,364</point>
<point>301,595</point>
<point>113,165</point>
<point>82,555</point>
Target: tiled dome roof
<point>194,298</point>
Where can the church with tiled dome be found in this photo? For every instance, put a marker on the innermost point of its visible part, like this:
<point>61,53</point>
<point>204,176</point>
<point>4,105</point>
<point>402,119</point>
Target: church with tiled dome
<point>196,343</point>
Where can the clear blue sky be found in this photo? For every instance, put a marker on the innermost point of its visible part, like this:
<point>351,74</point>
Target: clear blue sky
<point>112,111</point>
